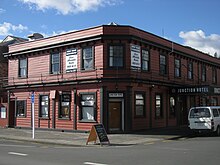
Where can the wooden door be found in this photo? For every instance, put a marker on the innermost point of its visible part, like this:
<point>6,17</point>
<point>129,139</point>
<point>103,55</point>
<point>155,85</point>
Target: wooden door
<point>114,116</point>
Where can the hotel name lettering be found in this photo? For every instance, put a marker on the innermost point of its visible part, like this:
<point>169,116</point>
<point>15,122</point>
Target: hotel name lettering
<point>192,90</point>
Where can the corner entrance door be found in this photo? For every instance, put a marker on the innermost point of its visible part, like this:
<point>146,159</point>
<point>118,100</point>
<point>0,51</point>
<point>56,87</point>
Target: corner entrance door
<point>115,116</point>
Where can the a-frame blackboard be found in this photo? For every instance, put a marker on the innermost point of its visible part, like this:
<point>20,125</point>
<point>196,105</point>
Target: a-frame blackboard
<point>98,130</point>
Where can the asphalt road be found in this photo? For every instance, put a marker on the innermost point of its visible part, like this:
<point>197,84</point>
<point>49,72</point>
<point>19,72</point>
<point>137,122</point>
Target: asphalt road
<point>196,151</point>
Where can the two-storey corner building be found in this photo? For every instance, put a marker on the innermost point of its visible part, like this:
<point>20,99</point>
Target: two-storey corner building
<point>3,77</point>
<point>121,76</point>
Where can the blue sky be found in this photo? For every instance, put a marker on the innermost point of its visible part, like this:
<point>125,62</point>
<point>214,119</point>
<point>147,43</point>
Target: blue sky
<point>193,23</point>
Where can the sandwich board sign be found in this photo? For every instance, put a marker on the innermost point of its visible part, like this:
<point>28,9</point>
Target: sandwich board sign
<point>98,130</point>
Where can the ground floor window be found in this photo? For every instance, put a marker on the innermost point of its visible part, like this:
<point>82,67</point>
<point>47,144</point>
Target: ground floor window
<point>172,107</point>
<point>139,105</point>
<point>214,101</point>
<point>159,108</point>
<point>88,110</point>
<point>21,106</point>
<point>65,100</point>
<point>2,112</point>
<point>44,106</point>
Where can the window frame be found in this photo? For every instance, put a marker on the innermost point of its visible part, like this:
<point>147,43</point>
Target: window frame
<point>190,71</point>
<point>163,70</point>
<point>160,116</point>
<point>177,69</point>
<point>20,68</point>
<point>143,60</point>
<point>94,111</point>
<point>62,100</point>
<point>52,64</point>
<point>122,57</point>
<point>214,75</point>
<point>139,105</point>
<point>83,60</point>
<point>41,106</point>
<point>203,73</point>
<point>24,102</point>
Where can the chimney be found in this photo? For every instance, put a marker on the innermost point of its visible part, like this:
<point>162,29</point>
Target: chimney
<point>35,36</point>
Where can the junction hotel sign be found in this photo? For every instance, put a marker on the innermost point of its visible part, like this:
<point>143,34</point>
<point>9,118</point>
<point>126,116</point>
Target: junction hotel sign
<point>196,90</point>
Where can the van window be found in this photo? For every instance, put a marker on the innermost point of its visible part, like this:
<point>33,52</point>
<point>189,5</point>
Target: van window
<point>219,111</point>
<point>215,112</point>
<point>199,112</point>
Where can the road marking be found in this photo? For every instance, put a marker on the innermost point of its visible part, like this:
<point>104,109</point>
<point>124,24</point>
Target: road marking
<point>16,153</point>
<point>91,163</point>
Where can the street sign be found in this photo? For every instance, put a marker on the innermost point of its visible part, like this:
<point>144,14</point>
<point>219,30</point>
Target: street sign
<point>32,97</point>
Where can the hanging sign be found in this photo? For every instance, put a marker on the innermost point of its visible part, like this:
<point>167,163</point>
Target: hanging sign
<point>98,130</point>
<point>71,60</point>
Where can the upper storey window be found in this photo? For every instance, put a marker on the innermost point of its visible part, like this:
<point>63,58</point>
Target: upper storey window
<point>177,68</point>
<point>87,58</point>
<point>145,60</point>
<point>190,70</point>
<point>55,63</point>
<point>214,75</point>
<point>22,67</point>
<point>203,73</point>
<point>116,56</point>
<point>163,65</point>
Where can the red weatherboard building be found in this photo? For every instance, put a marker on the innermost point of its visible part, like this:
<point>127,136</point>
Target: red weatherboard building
<point>121,76</point>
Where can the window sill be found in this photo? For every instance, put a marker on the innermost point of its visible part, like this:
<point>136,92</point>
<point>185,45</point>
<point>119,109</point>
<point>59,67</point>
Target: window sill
<point>87,70</point>
<point>21,116</point>
<point>87,121</point>
<point>63,118</point>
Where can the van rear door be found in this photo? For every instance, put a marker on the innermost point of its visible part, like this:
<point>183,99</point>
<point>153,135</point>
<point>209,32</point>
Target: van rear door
<point>200,118</point>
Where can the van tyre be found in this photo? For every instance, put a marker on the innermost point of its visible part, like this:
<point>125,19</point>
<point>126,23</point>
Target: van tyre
<point>218,131</point>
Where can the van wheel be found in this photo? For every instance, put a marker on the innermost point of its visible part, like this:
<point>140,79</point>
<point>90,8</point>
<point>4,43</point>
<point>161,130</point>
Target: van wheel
<point>218,131</point>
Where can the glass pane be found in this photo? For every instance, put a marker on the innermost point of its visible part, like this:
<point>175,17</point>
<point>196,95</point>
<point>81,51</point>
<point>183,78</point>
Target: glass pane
<point>88,63</point>
<point>139,110</point>
<point>44,111</point>
<point>23,72</point>
<point>55,68</point>
<point>145,65</point>
<point>87,113</point>
<point>55,58</point>
<point>88,97</point>
<point>23,63</point>
<point>139,96</point>
<point>64,111</point>
<point>87,53</point>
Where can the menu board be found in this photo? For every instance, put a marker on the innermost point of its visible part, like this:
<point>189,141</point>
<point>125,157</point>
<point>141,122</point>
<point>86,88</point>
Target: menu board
<point>98,130</point>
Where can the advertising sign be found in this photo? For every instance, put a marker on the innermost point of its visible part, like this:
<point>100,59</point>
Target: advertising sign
<point>71,60</point>
<point>135,56</point>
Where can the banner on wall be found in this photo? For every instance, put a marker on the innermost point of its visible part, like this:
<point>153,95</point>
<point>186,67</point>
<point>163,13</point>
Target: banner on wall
<point>71,60</point>
<point>135,56</point>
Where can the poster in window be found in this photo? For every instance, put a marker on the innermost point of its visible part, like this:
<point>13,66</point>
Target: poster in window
<point>135,56</point>
<point>71,60</point>
<point>88,113</point>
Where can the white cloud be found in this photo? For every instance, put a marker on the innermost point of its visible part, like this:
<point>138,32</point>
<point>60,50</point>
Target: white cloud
<point>7,28</point>
<point>199,40</point>
<point>69,6</point>
<point>2,10</point>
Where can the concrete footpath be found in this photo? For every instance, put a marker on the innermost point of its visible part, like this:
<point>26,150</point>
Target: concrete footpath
<point>80,139</point>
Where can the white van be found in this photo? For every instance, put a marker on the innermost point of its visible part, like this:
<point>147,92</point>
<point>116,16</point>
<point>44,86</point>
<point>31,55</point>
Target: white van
<point>205,118</point>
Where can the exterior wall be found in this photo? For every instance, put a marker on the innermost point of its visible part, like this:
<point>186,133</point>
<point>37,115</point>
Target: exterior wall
<point>103,80</point>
